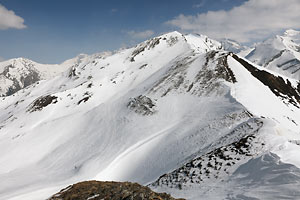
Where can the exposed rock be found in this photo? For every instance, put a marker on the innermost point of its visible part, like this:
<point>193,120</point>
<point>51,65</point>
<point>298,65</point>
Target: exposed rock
<point>214,70</point>
<point>150,44</point>
<point>142,104</point>
<point>217,163</point>
<point>96,190</point>
<point>174,78</point>
<point>42,102</point>
<point>172,40</point>
<point>85,99</point>
<point>72,72</point>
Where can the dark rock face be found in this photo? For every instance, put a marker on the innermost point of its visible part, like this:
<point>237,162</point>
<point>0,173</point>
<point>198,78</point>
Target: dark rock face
<point>222,69</point>
<point>277,84</point>
<point>96,190</point>
<point>72,71</point>
<point>85,99</point>
<point>42,102</point>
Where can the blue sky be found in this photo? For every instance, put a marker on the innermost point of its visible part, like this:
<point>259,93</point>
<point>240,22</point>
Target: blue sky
<point>57,30</point>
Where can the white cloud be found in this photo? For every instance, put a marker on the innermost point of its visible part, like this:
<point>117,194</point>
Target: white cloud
<point>199,5</point>
<point>8,19</point>
<point>255,19</point>
<point>140,35</point>
<point>1,59</point>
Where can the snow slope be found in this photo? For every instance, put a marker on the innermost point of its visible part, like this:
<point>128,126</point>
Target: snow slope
<point>16,74</point>
<point>143,112</point>
<point>280,54</point>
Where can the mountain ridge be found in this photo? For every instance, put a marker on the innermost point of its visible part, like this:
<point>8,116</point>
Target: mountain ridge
<point>144,112</point>
<point>280,53</point>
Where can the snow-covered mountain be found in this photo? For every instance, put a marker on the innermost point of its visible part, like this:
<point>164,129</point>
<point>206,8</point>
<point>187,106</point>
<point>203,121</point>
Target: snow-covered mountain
<point>280,53</point>
<point>235,47</point>
<point>18,73</point>
<point>175,112</point>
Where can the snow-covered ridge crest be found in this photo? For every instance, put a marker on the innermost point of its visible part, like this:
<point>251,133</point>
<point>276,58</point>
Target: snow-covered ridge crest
<point>18,73</point>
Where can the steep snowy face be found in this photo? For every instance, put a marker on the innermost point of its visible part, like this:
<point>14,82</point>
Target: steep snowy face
<point>149,114</point>
<point>280,54</point>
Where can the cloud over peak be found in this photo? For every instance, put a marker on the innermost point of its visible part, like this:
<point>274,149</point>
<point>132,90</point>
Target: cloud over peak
<point>254,19</point>
<point>140,35</point>
<point>8,19</point>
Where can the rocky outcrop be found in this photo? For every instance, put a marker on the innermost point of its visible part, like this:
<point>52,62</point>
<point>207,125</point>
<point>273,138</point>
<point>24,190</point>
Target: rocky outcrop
<point>142,105</point>
<point>42,102</point>
<point>96,190</point>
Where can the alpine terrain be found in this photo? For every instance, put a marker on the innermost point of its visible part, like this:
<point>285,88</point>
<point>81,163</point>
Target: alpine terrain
<point>280,53</point>
<point>176,113</point>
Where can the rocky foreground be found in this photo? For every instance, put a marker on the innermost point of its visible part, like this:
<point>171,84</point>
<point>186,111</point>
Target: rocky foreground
<point>96,190</point>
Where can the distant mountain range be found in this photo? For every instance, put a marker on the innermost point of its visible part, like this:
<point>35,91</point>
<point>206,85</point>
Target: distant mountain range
<point>280,54</point>
<point>182,114</point>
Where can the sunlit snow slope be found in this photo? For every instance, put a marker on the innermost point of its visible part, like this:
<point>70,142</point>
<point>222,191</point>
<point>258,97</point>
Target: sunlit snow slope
<point>152,114</point>
<point>280,54</point>
<point>16,74</point>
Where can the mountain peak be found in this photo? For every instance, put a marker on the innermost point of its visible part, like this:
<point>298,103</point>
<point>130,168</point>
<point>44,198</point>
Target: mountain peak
<point>202,43</point>
<point>174,33</point>
<point>291,32</point>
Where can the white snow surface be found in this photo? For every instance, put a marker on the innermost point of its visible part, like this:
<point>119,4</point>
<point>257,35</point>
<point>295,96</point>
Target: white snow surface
<point>280,53</point>
<point>95,128</point>
<point>235,47</point>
